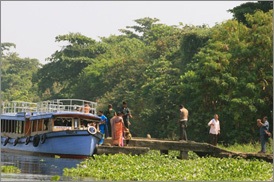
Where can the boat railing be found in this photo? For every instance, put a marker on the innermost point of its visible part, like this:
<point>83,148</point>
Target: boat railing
<point>57,105</point>
<point>18,106</point>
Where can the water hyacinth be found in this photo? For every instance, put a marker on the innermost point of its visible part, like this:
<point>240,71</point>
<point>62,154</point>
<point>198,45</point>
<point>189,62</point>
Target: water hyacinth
<point>156,167</point>
<point>10,169</point>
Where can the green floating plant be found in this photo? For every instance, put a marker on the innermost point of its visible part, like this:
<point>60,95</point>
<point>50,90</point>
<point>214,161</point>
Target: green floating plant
<point>155,167</point>
<point>10,169</point>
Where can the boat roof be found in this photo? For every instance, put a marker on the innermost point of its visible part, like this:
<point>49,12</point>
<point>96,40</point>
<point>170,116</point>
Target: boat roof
<point>13,116</point>
<point>35,116</point>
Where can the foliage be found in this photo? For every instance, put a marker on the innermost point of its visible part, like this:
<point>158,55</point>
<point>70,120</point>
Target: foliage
<point>16,76</point>
<point>5,46</point>
<point>10,169</point>
<point>155,167</point>
<point>239,12</point>
<point>55,178</point>
<point>58,77</point>
<point>232,76</point>
<point>249,147</point>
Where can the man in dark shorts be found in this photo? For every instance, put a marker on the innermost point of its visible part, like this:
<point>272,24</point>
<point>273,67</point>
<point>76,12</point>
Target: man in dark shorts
<point>183,122</point>
<point>127,114</point>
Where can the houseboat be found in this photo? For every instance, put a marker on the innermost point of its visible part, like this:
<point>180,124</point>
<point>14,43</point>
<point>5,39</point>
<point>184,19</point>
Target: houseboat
<point>63,127</point>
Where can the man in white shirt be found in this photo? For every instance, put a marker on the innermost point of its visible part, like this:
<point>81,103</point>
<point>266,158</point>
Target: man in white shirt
<point>214,129</point>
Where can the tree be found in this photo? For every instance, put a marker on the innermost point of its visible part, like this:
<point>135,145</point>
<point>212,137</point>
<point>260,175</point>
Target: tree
<point>141,30</point>
<point>239,12</point>
<point>16,76</point>
<point>59,76</point>
<point>232,76</point>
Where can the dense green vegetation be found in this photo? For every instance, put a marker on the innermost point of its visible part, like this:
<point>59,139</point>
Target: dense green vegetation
<point>249,147</point>
<point>155,167</point>
<point>16,76</point>
<point>225,69</point>
<point>10,169</point>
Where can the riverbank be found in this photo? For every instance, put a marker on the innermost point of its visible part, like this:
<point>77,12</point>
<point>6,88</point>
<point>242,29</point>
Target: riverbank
<point>155,167</point>
<point>250,147</point>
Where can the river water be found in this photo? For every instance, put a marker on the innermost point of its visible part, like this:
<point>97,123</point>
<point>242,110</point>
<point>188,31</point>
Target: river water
<point>36,168</point>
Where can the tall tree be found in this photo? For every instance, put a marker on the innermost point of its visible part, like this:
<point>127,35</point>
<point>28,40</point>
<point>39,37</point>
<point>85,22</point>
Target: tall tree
<point>59,76</point>
<point>233,77</point>
<point>16,76</point>
<point>239,12</point>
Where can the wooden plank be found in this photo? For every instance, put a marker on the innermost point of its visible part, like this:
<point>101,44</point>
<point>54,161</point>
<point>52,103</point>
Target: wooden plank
<point>125,150</point>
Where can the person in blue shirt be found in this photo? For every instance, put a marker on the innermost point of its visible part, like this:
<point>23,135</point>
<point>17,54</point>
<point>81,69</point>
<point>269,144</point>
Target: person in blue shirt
<point>264,128</point>
<point>102,126</point>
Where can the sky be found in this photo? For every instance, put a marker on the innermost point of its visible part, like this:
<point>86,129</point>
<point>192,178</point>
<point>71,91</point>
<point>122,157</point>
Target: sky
<point>33,26</point>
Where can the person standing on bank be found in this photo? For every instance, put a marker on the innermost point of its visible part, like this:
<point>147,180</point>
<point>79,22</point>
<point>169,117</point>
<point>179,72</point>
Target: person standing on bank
<point>127,114</point>
<point>109,113</point>
<point>264,130</point>
<point>117,125</point>
<point>183,122</point>
<point>102,125</point>
<point>214,129</point>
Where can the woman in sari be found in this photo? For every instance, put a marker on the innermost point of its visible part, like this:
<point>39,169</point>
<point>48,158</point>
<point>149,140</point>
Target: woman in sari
<point>117,126</point>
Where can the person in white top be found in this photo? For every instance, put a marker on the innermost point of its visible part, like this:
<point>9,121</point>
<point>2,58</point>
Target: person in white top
<point>214,129</point>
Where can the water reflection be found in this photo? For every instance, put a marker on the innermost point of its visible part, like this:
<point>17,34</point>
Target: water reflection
<point>36,167</point>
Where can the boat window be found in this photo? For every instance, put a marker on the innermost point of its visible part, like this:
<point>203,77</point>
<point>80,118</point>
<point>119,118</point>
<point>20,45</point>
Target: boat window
<point>40,125</point>
<point>76,123</point>
<point>18,127</point>
<point>10,126</point>
<point>84,123</point>
<point>22,126</point>
<point>46,124</point>
<point>14,122</point>
<point>11,121</point>
<point>6,127</point>
<point>34,125</point>
<point>2,125</point>
<point>14,126</point>
<point>63,122</point>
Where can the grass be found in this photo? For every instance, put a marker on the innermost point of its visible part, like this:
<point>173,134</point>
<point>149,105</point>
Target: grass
<point>250,147</point>
<point>155,167</point>
<point>10,169</point>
